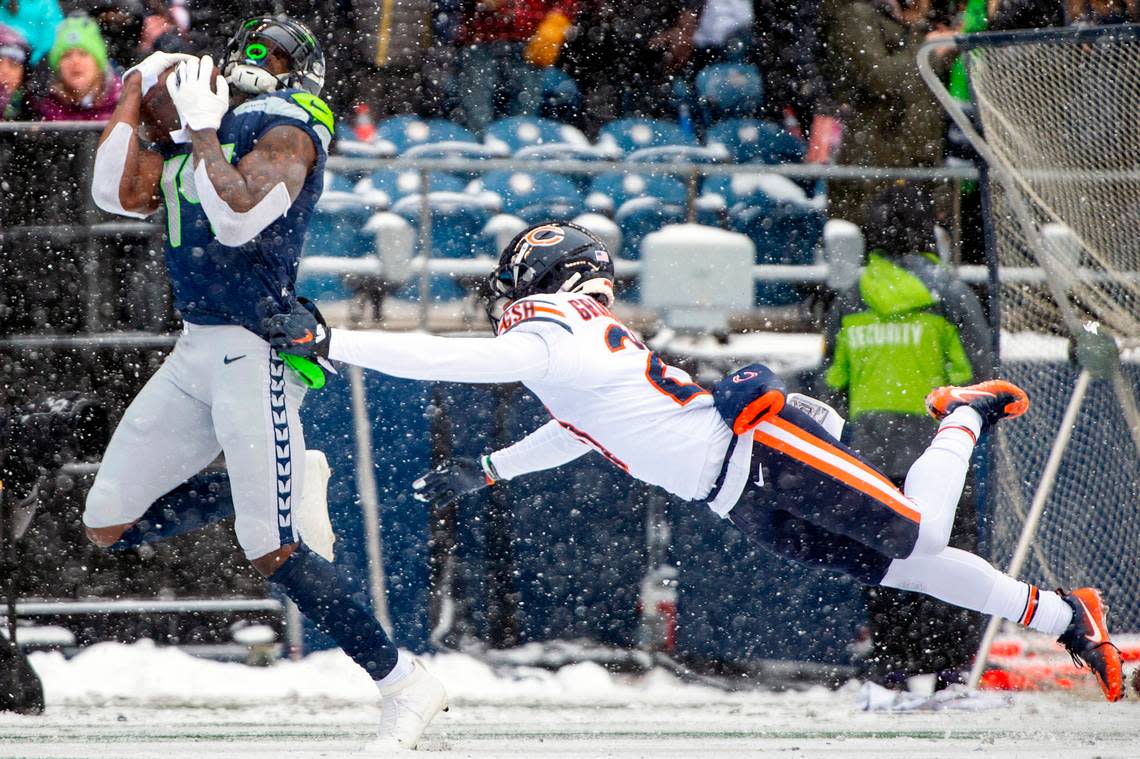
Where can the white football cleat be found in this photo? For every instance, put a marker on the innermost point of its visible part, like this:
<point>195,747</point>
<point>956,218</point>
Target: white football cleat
<point>312,514</point>
<point>406,709</point>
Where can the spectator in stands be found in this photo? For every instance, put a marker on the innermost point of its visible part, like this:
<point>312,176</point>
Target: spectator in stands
<point>723,32</point>
<point>788,49</point>
<point>625,55</point>
<point>907,327</point>
<point>84,87</point>
<point>36,20</point>
<point>504,44</point>
<point>14,53</point>
<point>121,24</point>
<point>391,42</point>
<point>890,116</point>
<point>1037,14</point>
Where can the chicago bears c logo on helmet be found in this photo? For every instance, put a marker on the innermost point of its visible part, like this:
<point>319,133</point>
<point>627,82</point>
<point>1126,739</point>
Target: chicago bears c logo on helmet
<point>547,234</point>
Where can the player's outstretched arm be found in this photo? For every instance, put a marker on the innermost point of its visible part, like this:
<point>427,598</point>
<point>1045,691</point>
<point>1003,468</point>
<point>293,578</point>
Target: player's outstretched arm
<point>514,357</point>
<point>126,178</point>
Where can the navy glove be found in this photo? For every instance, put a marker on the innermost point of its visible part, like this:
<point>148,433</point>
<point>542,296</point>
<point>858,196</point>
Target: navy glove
<point>301,332</point>
<point>449,481</point>
<point>302,338</point>
<point>749,396</point>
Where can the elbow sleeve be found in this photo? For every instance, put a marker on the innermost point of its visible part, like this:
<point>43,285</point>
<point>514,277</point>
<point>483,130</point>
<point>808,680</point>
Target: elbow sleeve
<point>107,176</point>
<point>233,228</point>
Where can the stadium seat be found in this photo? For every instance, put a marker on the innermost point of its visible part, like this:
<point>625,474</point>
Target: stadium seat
<point>785,230</point>
<point>519,132</point>
<point>755,141</point>
<point>536,196</point>
<point>630,134</point>
<point>726,90</point>
<point>351,146</point>
<point>457,224</point>
<point>390,185</point>
<point>763,190</point>
<point>335,182</point>
<point>561,151</point>
<point>336,228</point>
<point>638,217</point>
<point>680,153</point>
<point>612,190</point>
<point>471,151</point>
<point>408,131</point>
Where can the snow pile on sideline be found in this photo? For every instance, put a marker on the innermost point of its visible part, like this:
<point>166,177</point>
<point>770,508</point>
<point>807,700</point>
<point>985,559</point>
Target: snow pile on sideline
<point>145,673</point>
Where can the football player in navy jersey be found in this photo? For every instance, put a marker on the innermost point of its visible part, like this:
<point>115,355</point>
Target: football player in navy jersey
<point>238,182</point>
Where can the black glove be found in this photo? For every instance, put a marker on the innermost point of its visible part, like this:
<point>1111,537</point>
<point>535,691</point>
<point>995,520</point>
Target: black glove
<point>447,482</point>
<point>302,338</point>
<point>301,332</point>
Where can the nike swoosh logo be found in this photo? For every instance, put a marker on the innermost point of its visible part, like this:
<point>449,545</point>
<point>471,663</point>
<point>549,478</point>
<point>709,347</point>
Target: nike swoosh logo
<point>227,360</point>
<point>1096,637</point>
<point>969,395</point>
<point>744,377</point>
<point>308,338</point>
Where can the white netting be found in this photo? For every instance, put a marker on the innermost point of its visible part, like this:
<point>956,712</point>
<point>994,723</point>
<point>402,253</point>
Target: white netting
<point>1061,115</point>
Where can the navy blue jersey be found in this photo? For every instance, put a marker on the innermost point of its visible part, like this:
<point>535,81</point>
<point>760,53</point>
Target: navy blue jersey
<point>216,284</point>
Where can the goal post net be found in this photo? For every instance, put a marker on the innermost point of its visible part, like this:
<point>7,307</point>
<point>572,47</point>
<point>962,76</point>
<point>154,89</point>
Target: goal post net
<point>1057,123</point>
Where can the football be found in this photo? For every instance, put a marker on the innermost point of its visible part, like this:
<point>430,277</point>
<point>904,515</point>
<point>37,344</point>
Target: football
<point>157,111</point>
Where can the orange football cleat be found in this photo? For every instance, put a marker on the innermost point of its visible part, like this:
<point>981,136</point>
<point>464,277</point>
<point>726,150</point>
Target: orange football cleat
<point>1088,643</point>
<point>993,400</point>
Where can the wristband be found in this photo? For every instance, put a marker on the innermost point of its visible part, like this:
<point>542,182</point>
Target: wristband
<point>489,469</point>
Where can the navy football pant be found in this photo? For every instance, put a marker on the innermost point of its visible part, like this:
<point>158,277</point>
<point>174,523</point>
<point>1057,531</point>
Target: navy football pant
<point>821,505</point>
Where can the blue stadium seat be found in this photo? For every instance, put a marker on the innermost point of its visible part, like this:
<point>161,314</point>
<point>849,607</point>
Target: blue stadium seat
<point>726,90</point>
<point>639,217</point>
<point>336,228</point>
<point>520,191</point>
<point>408,131</point>
<point>561,151</point>
<point>631,134</point>
<point>760,189</point>
<point>394,185</point>
<point>472,151</point>
<point>335,182</point>
<point>517,132</point>
<point>619,188</point>
<point>457,223</point>
<point>755,141</point>
<point>785,231</point>
<point>680,153</point>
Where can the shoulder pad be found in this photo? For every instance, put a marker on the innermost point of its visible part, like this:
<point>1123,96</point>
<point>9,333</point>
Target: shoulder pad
<point>534,309</point>
<point>297,105</point>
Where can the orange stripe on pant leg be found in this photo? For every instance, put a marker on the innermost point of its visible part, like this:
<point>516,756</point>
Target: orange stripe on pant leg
<point>807,437</point>
<point>837,473</point>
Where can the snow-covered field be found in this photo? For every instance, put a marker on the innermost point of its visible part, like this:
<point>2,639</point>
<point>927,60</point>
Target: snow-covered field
<point>139,701</point>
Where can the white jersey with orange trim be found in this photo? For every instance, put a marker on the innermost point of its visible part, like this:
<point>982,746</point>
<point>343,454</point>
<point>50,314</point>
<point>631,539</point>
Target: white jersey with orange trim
<point>605,390</point>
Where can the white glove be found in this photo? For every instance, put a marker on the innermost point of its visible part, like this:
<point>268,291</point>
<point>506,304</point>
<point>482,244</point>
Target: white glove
<point>198,105</point>
<point>153,65</point>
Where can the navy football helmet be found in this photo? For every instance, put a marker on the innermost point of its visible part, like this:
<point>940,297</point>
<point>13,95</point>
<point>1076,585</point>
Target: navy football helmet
<point>551,258</point>
<point>249,50</point>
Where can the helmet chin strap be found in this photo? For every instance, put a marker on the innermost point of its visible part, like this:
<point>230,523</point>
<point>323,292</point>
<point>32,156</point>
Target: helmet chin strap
<point>252,80</point>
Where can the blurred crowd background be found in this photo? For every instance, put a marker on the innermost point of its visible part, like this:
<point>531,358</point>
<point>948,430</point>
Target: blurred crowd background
<point>837,74</point>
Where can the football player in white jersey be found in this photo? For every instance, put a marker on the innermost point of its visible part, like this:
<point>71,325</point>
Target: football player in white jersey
<point>767,467</point>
